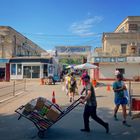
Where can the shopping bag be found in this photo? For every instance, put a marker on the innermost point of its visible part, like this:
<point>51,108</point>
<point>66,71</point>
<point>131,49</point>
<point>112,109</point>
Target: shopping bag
<point>63,88</point>
<point>126,94</point>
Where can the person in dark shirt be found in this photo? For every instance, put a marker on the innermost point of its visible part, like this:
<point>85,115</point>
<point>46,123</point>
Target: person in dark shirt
<point>90,107</point>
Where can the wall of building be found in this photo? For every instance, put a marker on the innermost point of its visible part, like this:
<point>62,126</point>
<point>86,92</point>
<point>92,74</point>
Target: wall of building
<point>130,24</point>
<point>112,43</point>
<point>123,42</point>
<point>12,44</point>
<point>107,71</point>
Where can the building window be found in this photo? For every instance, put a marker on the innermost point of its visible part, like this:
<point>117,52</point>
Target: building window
<point>13,69</point>
<point>19,69</point>
<point>133,27</point>
<point>123,48</point>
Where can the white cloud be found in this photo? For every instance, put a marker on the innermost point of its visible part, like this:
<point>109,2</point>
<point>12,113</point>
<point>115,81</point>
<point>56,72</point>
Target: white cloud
<point>84,28</point>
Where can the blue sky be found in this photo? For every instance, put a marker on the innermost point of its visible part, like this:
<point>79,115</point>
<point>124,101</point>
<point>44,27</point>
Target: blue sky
<point>51,23</point>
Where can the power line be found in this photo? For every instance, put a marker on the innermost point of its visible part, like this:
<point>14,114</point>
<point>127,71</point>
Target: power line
<point>61,40</point>
<point>61,35</point>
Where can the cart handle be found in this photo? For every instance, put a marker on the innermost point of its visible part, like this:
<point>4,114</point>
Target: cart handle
<point>21,107</point>
<point>19,117</point>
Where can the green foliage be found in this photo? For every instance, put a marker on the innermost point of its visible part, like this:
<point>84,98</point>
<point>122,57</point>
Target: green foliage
<point>70,61</point>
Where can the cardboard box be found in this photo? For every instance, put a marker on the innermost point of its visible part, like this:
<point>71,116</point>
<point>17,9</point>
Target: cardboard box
<point>28,109</point>
<point>48,103</point>
<point>39,104</point>
<point>52,114</point>
<point>31,105</point>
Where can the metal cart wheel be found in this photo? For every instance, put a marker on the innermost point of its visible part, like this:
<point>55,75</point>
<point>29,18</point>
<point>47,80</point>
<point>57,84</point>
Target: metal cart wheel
<point>41,134</point>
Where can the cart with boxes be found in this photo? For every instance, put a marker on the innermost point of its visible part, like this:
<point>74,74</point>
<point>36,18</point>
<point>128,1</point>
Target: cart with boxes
<point>44,113</point>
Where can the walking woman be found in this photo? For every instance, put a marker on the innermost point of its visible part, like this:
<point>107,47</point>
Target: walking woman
<point>120,99</point>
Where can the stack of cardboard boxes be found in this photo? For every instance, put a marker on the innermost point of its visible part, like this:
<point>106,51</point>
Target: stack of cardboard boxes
<point>43,107</point>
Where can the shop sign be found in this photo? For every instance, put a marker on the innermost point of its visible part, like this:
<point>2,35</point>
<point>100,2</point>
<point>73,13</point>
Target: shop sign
<point>109,59</point>
<point>133,59</point>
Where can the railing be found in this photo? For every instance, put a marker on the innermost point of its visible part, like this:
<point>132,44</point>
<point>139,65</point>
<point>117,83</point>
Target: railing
<point>134,93</point>
<point>12,89</point>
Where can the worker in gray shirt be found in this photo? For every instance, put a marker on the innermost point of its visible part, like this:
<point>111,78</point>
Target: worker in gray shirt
<point>90,107</point>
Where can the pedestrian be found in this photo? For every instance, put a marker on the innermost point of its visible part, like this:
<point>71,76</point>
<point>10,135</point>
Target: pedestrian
<point>91,106</point>
<point>120,98</point>
<point>66,79</point>
<point>83,75</point>
<point>72,86</point>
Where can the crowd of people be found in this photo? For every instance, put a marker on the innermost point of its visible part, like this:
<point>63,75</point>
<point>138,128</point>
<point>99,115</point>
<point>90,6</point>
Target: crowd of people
<point>71,85</point>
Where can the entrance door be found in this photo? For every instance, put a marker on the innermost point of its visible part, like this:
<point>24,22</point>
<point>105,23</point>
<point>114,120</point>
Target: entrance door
<point>31,71</point>
<point>35,71</point>
<point>45,70</point>
<point>27,71</point>
<point>2,73</point>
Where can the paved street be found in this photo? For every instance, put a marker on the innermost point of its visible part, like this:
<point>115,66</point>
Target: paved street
<point>10,89</point>
<point>68,127</point>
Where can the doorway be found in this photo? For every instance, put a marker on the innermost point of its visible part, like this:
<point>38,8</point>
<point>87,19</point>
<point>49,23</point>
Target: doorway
<point>31,71</point>
<point>2,73</point>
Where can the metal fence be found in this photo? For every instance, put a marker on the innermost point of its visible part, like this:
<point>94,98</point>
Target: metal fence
<point>134,94</point>
<point>9,90</point>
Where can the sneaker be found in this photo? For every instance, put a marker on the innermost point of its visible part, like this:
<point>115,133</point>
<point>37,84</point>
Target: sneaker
<point>85,130</point>
<point>124,122</point>
<point>107,128</point>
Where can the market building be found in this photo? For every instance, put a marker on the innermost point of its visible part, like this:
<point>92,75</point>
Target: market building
<point>21,58</point>
<point>31,68</point>
<point>120,50</point>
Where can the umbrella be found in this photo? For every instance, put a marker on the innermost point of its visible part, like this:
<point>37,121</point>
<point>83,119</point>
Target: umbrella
<point>70,67</point>
<point>86,66</point>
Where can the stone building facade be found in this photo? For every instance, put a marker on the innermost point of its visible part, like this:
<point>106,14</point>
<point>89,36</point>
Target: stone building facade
<point>125,40</point>
<point>14,44</point>
<point>21,58</point>
<point>120,50</point>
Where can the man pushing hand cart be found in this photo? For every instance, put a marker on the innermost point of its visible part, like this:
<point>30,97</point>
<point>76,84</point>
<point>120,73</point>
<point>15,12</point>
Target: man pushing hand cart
<point>44,113</point>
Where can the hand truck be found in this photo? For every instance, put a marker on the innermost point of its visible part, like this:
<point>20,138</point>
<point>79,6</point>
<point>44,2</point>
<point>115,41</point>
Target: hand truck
<point>42,123</point>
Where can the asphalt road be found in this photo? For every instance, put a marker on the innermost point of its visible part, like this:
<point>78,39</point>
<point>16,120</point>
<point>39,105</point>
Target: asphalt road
<point>68,127</point>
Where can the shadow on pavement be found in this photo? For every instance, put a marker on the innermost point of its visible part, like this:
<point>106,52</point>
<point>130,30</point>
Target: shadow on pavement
<point>69,128</point>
